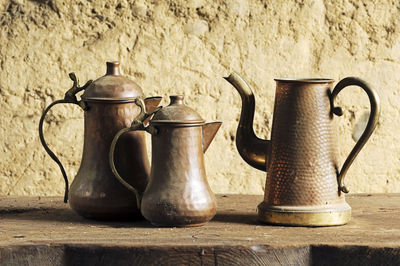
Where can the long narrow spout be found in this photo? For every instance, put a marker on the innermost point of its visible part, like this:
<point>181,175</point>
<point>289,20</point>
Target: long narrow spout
<point>251,148</point>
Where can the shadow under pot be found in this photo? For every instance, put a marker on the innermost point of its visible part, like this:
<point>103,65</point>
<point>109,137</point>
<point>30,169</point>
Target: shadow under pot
<point>178,193</point>
<point>108,105</point>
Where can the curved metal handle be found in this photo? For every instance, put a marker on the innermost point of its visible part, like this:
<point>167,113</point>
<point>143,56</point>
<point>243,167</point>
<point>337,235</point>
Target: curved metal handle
<point>137,124</point>
<point>372,122</point>
<point>69,97</point>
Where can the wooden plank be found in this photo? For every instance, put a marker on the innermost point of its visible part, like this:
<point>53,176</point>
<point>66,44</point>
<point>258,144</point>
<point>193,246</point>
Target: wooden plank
<point>46,228</point>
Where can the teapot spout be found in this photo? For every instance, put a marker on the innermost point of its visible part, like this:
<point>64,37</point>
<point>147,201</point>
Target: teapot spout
<point>209,132</point>
<point>151,104</point>
<point>251,148</point>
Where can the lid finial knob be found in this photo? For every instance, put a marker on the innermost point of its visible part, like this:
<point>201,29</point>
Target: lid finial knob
<point>113,68</point>
<point>176,99</point>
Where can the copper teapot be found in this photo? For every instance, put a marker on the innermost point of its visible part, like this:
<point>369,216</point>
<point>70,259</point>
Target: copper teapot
<point>178,193</point>
<point>108,105</point>
<point>304,185</point>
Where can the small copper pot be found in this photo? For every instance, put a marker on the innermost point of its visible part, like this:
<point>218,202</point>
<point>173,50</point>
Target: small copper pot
<point>109,106</point>
<point>304,185</point>
<point>178,193</point>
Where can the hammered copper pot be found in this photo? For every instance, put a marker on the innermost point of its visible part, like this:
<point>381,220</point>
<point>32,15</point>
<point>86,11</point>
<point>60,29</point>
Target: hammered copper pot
<point>108,105</point>
<point>178,193</point>
<point>304,183</point>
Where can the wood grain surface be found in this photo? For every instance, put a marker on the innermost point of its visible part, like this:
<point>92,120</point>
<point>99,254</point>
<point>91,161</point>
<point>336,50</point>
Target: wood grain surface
<point>45,231</point>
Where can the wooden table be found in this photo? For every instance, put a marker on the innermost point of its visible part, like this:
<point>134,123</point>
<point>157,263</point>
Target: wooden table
<point>45,231</point>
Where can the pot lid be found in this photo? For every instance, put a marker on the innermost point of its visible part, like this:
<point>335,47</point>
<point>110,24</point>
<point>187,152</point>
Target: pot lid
<point>112,87</point>
<point>177,113</point>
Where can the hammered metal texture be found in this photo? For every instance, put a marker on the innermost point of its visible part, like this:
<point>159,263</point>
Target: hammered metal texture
<point>301,169</point>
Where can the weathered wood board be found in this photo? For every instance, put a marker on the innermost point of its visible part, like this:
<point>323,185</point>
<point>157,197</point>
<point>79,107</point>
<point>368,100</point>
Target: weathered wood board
<point>45,231</point>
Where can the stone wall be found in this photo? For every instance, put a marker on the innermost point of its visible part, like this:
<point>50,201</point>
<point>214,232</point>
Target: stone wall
<point>186,47</point>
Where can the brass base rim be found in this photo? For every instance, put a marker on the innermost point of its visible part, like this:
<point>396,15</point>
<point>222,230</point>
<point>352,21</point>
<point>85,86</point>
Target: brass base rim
<point>304,218</point>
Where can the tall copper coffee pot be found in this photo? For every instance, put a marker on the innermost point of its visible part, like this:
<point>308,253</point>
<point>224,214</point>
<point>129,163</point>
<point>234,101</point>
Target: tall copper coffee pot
<point>304,185</point>
<point>109,106</point>
<point>178,193</point>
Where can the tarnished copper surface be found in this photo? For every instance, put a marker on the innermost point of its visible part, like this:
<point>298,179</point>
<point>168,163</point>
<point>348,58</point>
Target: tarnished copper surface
<point>109,106</point>
<point>178,193</point>
<point>112,87</point>
<point>94,192</point>
<point>304,185</point>
<point>302,158</point>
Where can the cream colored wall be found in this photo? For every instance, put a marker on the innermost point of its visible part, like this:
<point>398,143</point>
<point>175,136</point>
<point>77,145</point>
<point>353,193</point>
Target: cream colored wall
<point>186,47</point>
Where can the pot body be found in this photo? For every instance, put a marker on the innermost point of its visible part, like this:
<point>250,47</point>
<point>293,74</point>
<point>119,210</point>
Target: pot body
<point>178,193</point>
<point>95,193</point>
<point>301,186</point>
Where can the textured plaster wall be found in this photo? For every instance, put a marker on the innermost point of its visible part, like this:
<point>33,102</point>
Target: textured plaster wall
<point>186,47</point>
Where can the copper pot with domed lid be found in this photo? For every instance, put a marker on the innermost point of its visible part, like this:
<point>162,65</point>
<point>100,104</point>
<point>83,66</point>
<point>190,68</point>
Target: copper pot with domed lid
<point>178,193</point>
<point>109,105</point>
